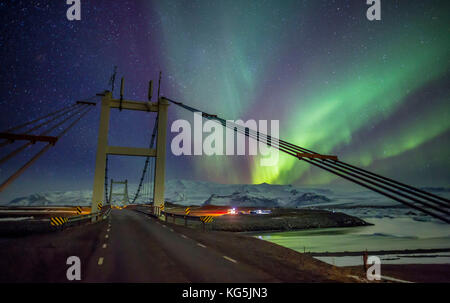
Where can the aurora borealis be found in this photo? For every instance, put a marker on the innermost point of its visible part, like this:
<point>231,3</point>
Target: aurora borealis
<point>376,94</point>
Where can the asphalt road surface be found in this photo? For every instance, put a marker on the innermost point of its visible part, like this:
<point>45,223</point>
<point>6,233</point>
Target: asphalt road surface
<point>127,247</point>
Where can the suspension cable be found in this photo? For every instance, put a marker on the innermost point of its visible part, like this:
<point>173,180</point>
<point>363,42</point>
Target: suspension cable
<point>38,119</point>
<point>357,179</point>
<point>41,152</point>
<point>68,109</point>
<point>336,169</point>
<point>331,163</point>
<point>356,175</point>
<point>152,143</point>
<point>21,148</point>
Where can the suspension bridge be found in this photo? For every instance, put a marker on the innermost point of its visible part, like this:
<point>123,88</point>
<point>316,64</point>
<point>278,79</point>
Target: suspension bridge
<point>127,230</point>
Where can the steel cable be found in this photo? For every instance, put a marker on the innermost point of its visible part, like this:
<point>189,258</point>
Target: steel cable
<point>356,175</point>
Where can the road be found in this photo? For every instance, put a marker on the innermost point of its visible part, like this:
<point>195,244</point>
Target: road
<point>127,247</point>
<point>142,249</point>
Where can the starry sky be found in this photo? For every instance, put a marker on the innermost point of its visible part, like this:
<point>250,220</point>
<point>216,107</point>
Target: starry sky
<point>376,94</point>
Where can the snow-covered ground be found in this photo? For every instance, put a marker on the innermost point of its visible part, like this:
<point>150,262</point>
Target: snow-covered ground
<point>425,258</point>
<point>387,233</point>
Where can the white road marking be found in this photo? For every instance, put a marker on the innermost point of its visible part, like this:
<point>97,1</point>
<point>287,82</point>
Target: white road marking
<point>355,277</point>
<point>201,245</point>
<point>183,236</point>
<point>229,259</point>
<point>108,229</point>
<point>107,236</point>
<point>395,280</point>
<point>104,245</point>
<point>164,226</point>
<point>100,261</point>
<point>170,229</point>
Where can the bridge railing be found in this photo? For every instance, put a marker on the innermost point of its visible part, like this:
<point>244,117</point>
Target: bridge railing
<point>39,222</point>
<point>158,212</point>
<point>185,218</point>
<point>62,222</point>
<point>98,216</point>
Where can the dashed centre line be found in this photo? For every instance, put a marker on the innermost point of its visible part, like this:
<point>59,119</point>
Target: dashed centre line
<point>100,261</point>
<point>183,236</point>
<point>201,245</point>
<point>107,236</point>
<point>229,259</point>
<point>104,245</point>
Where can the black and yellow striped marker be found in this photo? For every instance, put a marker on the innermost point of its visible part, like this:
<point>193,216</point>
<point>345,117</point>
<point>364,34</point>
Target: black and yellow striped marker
<point>207,219</point>
<point>79,210</point>
<point>100,205</point>
<point>187,210</point>
<point>161,207</point>
<point>57,221</point>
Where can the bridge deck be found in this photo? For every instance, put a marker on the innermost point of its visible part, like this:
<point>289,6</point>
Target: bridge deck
<point>143,249</point>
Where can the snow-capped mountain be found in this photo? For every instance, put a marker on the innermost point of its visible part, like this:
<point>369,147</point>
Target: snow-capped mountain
<point>188,192</point>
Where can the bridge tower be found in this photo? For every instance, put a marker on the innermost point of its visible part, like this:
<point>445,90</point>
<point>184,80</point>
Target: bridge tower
<point>103,149</point>
<point>123,194</point>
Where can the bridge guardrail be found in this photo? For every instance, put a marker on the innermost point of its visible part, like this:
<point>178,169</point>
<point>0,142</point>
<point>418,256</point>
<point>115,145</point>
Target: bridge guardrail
<point>160,211</point>
<point>98,216</point>
<point>204,219</point>
<point>89,216</point>
<point>55,222</point>
<point>186,217</point>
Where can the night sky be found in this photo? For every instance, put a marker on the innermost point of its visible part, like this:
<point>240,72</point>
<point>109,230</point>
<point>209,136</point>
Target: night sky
<point>376,94</point>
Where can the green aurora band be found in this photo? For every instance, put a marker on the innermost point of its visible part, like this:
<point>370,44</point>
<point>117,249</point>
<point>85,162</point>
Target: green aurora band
<point>328,81</point>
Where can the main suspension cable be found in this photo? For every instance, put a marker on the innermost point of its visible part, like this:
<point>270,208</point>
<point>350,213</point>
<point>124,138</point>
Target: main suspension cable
<point>41,152</point>
<point>344,170</point>
<point>21,148</point>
